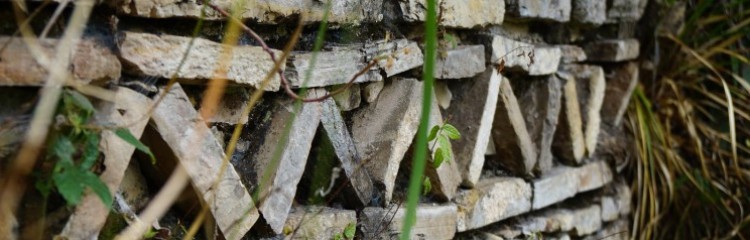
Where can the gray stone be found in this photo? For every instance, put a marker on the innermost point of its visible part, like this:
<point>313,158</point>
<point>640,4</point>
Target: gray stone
<point>618,230</point>
<point>349,99</point>
<point>559,184</point>
<point>457,13</point>
<point>510,133</point>
<point>446,178</point>
<point>625,10</point>
<point>160,55</point>
<point>229,111</point>
<point>568,144</point>
<point>571,54</point>
<point>371,90</point>
<point>266,11</point>
<point>621,81</point>
<point>397,56</point>
<point>472,112</point>
<point>593,176</point>
<point>623,198</point>
<point>558,11</point>
<point>89,217</point>
<point>334,67</point>
<point>315,222</point>
<point>433,222</point>
<point>610,212</point>
<point>277,194</point>
<point>443,94</point>
<point>613,50</point>
<point>344,147</point>
<point>592,12</point>
<point>540,103</point>
<point>182,129</point>
<point>90,62</point>
<point>586,220</point>
<point>492,200</point>
<point>590,87</point>
<point>526,57</point>
<point>384,131</point>
<point>460,62</point>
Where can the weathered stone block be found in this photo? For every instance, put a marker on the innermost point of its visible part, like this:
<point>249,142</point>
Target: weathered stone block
<point>568,144</point>
<point>371,90</point>
<point>571,54</point>
<point>492,200</point>
<point>318,222</point>
<point>618,230</point>
<point>590,86</point>
<point>517,152</point>
<point>558,11</point>
<point>586,220</point>
<point>160,55</point>
<point>346,151</point>
<point>540,103</point>
<point>589,11</point>
<point>614,50</point>
<point>397,56</point>
<point>349,99</point>
<point>458,13</point>
<point>229,110</point>
<point>517,55</point>
<point>610,212</point>
<point>460,62</point>
<point>443,94</point>
<point>331,68</point>
<point>384,131</point>
<point>625,10</point>
<point>90,62</point>
<point>623,198</point>
<point>182,129</point>
<point>559,184</point>
<point>621,81</point>
<point>433,222</point>
<point>272,11</point>
<point>473,109</point>
<point>593,175</point>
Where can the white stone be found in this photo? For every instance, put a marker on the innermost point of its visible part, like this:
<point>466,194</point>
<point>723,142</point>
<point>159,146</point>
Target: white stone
<point>334,67</point>
<point>571,54</point>
<point>460,62</point>
<point>559,184</point>
<point>458,13</point>
<point>513,54</point>
<point>433,222</point>
<point>492,200</point>
<point>395,56</point>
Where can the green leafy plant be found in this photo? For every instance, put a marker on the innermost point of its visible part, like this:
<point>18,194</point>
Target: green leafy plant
<point>441,135</point>
<point>348,233</point>
<point>426,185</point>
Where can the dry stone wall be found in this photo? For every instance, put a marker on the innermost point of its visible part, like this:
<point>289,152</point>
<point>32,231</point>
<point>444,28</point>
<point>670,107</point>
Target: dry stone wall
<point>532,87</point>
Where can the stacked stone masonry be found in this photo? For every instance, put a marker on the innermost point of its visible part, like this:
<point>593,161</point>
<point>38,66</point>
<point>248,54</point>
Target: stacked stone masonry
<point>531,110</point>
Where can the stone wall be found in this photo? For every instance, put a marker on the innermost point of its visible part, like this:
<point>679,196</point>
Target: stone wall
<point>537,89</point>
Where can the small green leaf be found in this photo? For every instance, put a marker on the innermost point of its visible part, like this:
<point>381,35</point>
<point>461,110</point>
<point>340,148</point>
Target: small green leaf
<point>98,187</point>
<point>444,143</point>
<point>426,185</point>
<point>63,149</point>
<point>350,230</point>
<point>125,134</point>
<point>433,133</point>
<point>71,182</point>
<point>451,131</point>
<point>90,150</point>
<point>439,158</point>
<point>338,236</point>
<point>150,233</point>
<point>79,100</point>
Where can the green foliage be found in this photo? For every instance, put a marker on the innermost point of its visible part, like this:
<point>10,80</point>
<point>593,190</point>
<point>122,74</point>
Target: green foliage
<point>426,185</point>
<point>442,134</point>
<point>125,135</point>
<point>350,230</point>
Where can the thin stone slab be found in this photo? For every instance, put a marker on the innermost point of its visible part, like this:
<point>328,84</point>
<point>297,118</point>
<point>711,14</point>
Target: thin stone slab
<point>313,222</point>
<point>618,230</point>
<point>457,13</point>
<point>590,86</point>
<point>263,11</point>
<point>621,81</point>
<point>474,106</point>
<point>277,195</point>
<point>526,57</point>
<point>625,10</point>
<point>558,11</point>
<point>568,144</point>
<point>160,55</point>
<point>333,67</point>
<point>397,56</point>
<point>564,182</point>
<point>613,50</point>
<point>492,200</point>
<point>90,215</point>
<point>446,178</point>
<point>540,103</point>
<point>592,12</point>
<point>344,147</point>
<point>384,131</point>
<point>200,154</point>
<point>432,222</point>
<point>460,62</point>
<point>510,133</point>
<point>90,62</point>
<point>571,54</point>
<point>576,220</point>
<point>594,175</point>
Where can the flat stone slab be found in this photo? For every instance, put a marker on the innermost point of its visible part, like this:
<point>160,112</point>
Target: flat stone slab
<point>592,12</point>
<point>557,11</point>
<point>492,200</point>
<point>457,13</point>
<point>571,54</point>
<point>313,222</point>
<point>182,129</point>
<point>577,221</point>
<point>333,67</point>
<point>526,57</point>
<point>90,62</point>
<point>568,144</point>
<point>618,230</point>
<point>540,102</point>
<point>475,102</point>
<point>264,11</point>
<point>383,131</point>
<point>398,55</point>
<point>564,182</point>
<point>510,133</point>
<point>160,55</point>
<point>625,10</point>
<point>613,50</point>
<point>433,222</point>
<point>590,87</point>
<point>460,62</point>
<point>621,81</point>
